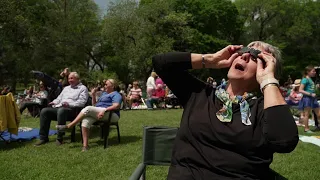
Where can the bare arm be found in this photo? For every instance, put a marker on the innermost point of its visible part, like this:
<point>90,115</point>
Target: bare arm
<point>302,91</point>
<point>94,100</point>
<point>94,96</point>
<point>218,60</point>
<point>62,74</point>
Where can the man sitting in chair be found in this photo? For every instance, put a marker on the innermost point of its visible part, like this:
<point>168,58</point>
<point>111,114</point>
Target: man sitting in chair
<point>73,96</point>
<point>110,100</point>
<point>134,95</point>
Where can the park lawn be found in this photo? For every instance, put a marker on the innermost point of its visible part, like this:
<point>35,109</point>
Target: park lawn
<point>24,161</point>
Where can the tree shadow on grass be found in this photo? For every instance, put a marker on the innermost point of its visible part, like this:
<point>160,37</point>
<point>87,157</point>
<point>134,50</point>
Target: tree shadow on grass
<point>112,141</point>
<point>14,144</point>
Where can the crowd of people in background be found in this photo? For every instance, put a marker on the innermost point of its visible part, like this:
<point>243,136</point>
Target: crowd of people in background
<point>158,95</point>
<point>301,94</point>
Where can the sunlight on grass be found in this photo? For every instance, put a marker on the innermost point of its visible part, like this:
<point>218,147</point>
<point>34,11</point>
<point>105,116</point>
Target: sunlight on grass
<point>23,161</point>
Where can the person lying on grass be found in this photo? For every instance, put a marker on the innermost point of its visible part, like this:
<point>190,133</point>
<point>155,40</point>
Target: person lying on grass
<point>110,100</point>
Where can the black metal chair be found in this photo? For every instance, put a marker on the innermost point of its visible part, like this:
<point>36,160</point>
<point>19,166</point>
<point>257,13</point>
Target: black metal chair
<point>75,112</point>
<point>36,109</point>
<point>104,129</point>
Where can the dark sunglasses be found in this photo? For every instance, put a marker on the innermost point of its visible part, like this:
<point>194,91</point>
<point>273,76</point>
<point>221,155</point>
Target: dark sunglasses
<point>253,53</point>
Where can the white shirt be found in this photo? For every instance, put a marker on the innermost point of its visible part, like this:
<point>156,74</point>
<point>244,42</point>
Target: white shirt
<point>76,96</point>
<point>151,83</point>
<point>40,95</point>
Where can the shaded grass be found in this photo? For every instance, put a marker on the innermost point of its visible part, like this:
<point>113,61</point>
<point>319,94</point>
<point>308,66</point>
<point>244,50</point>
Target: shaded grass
<point>23,161</point>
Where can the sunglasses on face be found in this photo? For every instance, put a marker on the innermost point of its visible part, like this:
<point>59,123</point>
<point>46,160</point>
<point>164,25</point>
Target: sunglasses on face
<point>253,53</point>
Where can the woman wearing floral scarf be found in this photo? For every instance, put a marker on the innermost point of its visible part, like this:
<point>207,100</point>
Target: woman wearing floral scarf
<point>227,132</point>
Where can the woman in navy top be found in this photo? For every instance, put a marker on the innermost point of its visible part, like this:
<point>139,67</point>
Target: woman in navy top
<point>110,100</point>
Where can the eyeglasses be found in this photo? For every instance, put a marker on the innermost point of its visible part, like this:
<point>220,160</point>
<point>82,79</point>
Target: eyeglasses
<point>253,53</point>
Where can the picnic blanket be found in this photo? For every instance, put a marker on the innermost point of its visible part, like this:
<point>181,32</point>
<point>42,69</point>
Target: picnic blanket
<point>310,139</point>
<point>25,134</point>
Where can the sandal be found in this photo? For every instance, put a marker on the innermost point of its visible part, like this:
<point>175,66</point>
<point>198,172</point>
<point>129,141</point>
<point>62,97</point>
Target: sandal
<point>308,131</point>
<point>61,127</point>
<point>85,148</point>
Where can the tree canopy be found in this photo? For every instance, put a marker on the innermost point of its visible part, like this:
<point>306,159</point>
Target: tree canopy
<point>49,35</point>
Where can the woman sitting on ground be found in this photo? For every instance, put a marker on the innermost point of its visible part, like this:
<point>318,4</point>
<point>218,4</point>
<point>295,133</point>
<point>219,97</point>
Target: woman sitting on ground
<point>227,132</point>
<point>110,100</point>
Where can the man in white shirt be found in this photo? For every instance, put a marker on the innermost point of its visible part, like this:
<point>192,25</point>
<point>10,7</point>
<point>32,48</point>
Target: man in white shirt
<point>72,96</point>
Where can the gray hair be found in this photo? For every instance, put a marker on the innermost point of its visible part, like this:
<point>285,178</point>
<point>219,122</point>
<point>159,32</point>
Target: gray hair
<point>75,74</point>
<point>275,53</point>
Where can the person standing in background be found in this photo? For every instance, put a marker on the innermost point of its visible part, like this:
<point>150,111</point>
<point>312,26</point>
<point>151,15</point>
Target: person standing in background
<point>308,101</point>
<point>151,85</point>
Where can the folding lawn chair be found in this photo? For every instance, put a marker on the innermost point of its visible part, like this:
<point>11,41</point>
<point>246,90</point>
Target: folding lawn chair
<point>157,149</point>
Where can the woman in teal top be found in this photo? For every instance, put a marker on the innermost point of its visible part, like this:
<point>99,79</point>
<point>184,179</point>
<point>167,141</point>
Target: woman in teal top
<point>309,101</point>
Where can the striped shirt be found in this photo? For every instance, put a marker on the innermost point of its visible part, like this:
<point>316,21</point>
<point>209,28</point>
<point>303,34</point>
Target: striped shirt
<point>135,93</point>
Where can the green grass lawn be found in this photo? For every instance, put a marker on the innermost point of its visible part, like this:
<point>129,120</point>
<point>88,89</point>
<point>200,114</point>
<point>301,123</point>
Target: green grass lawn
<point>24,161</point>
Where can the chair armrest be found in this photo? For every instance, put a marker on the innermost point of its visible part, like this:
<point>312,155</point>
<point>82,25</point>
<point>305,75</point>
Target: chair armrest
<point>138,172</point>
<point>43,102</point>
<point>76,111</point>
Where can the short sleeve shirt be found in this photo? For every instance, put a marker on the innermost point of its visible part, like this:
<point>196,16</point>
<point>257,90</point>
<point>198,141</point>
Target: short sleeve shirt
<point>308,85</point>
<point>106,100</point>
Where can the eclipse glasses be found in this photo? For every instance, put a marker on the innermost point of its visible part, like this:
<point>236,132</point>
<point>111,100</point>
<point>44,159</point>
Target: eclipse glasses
<point>253,52</point>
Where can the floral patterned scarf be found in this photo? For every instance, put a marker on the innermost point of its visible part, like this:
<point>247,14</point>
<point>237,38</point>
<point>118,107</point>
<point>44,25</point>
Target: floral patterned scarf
<point>225,113</point>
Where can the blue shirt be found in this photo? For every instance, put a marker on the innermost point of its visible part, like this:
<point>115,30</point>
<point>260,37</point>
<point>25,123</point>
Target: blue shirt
<point>106,100</point>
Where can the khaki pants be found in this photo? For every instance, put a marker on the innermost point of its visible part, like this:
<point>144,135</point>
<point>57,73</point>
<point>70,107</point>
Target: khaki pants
<point>91,116</point>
